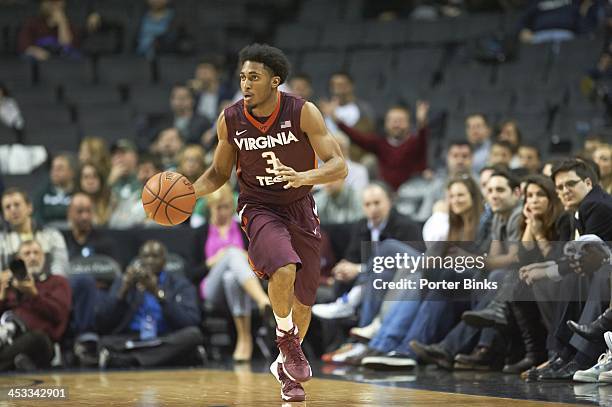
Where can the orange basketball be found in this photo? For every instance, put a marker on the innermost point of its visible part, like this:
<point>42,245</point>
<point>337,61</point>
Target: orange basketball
<point>168,198</point>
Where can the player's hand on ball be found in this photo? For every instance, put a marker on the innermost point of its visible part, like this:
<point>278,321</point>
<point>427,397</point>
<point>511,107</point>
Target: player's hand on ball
<point>294,179</point>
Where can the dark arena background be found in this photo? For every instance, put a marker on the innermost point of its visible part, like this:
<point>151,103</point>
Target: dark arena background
<point>467,126</point>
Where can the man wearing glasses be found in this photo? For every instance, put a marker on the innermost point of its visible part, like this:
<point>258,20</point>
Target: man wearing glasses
<point>577,188</point>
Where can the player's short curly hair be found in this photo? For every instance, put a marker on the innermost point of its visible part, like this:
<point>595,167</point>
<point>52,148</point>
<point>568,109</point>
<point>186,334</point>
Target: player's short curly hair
<point>270,56</point>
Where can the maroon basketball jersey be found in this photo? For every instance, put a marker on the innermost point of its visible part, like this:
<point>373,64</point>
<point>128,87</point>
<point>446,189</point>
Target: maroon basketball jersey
<point>258,149</point>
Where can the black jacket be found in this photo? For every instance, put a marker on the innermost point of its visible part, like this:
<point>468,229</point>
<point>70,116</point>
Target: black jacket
<point>592,218</point>
<point>399,227</point>
<point>594,214</point>
<point>180,309</point>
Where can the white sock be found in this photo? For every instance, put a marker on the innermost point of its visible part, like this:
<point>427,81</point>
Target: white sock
<point>354,296</point>
<point>285,323</point>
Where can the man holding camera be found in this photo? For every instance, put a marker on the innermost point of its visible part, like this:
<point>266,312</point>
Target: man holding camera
<point>151,316</point>
<point>17,211</point>
<point>35,308</point>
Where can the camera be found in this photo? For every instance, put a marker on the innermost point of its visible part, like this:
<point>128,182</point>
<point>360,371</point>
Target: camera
<point>18,268</point>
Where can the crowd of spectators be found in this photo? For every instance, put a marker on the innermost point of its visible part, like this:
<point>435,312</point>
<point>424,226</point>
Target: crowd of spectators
<point>493,193</point>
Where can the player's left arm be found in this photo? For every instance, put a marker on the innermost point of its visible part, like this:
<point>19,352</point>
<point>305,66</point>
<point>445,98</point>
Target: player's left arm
<point>325,147</point>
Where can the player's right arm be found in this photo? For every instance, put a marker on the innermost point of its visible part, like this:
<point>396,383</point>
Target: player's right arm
<point>223,163</point>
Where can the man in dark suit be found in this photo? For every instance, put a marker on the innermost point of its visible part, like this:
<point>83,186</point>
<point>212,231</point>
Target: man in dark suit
<point>353,273</point>
<point>576,186</point>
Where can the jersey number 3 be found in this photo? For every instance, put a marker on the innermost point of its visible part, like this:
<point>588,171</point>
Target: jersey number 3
<point>271,160</point>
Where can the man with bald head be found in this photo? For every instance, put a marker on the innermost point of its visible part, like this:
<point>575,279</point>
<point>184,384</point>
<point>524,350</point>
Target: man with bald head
<point>151,315</point>
<point>381,223</point>
<point>83,239</point>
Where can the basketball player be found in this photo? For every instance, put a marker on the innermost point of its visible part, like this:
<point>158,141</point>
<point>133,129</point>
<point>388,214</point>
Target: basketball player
<point>274,138</point>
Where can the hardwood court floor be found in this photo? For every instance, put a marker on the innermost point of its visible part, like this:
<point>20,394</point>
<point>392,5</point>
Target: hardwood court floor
<point>204,387</point>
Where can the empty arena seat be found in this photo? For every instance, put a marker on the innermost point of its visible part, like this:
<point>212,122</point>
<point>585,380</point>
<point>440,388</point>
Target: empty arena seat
<point>29,182</point>
<point>297,36</point>
<point>110,122</point>
<point>8,135</point>
<point>322,63</point>
<point>91,95</point>
<point>472,26</point>
<point>59,71</point>
<point>487,100</point>
<point>150,99</point>
<point>124,70</point>
<point>30,95</point>
<point>385,33</point>
<point>369,62</point>
<point>314,11</point>
<point>468,76</point>
<point>42,115</point>
<point>537,99</point>
<point>16,71</point>
<point>431,32</point>
<point>532,66</point>
<point>176,69</point>
<point>55,138</point>
<point>341,35</point>
<point>216,13</point>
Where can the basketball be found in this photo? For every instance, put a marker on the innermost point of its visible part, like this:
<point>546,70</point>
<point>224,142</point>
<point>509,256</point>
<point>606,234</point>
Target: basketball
<point>168,198</point>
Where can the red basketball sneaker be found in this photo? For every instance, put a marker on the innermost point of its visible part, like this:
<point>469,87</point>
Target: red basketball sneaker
<point>294,363</point>
<point>290,390</point>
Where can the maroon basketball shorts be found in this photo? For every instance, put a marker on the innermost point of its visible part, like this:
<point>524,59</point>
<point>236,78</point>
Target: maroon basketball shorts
<point>281,235</point>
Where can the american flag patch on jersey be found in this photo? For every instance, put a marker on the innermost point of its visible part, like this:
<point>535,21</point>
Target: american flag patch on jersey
<point>285,124</point>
